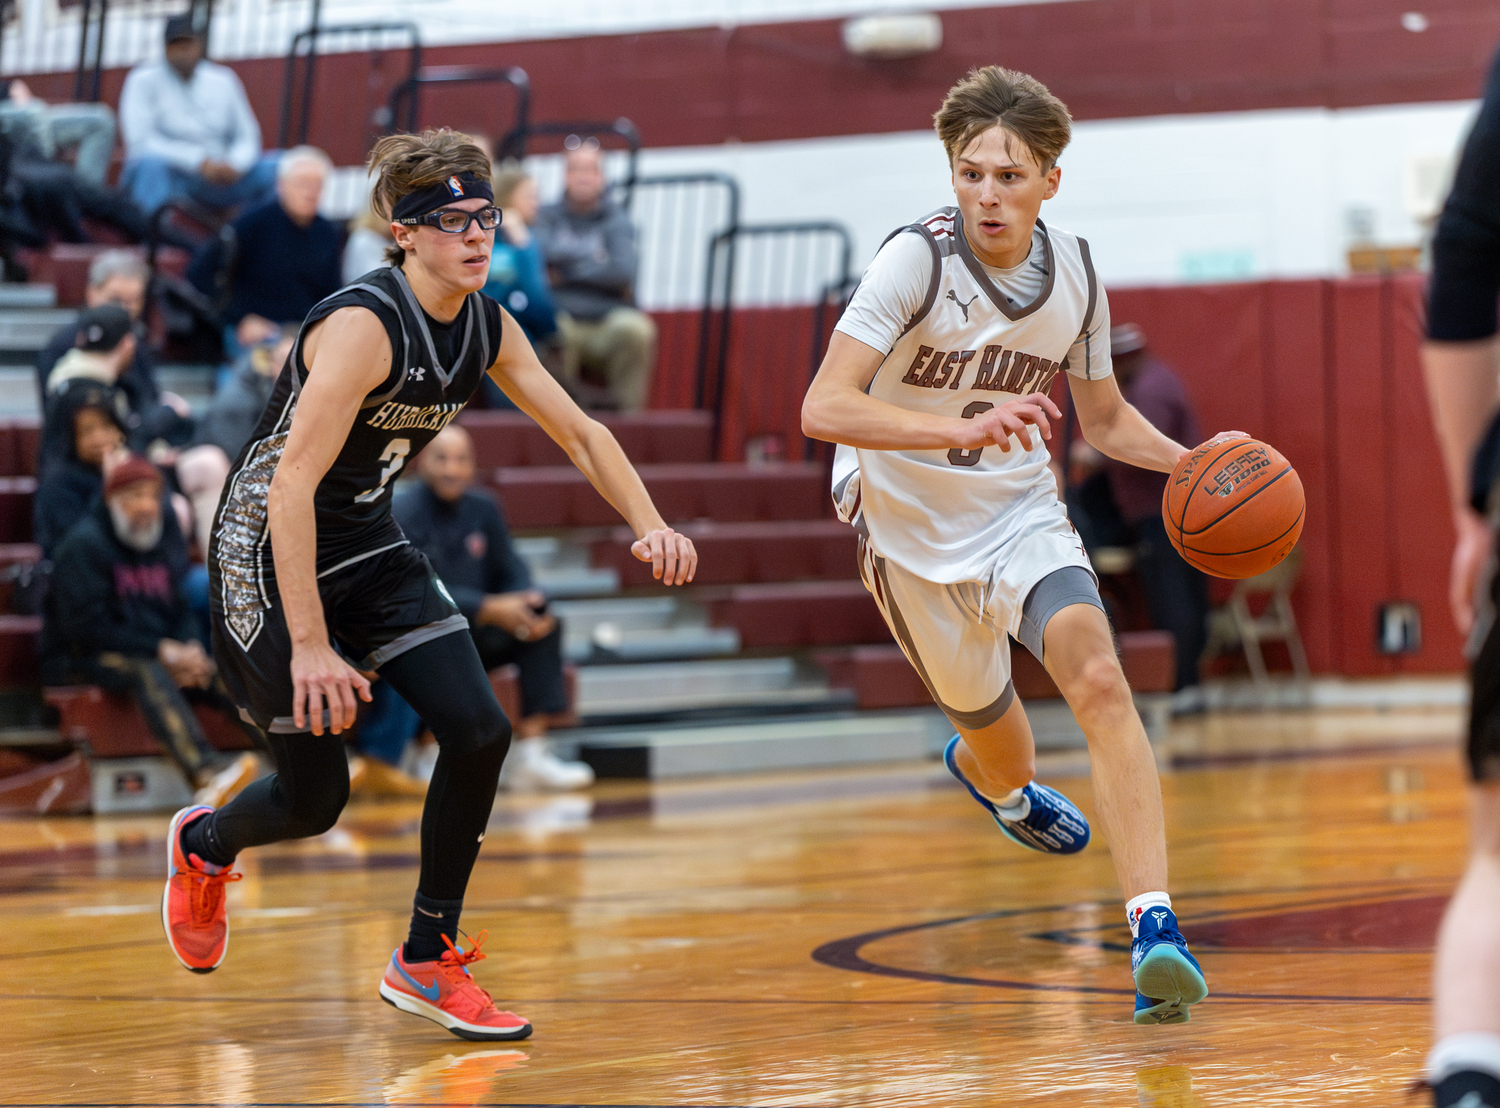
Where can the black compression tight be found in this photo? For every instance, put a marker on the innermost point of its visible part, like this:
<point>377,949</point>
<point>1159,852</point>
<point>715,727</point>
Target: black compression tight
<point>445,682</point>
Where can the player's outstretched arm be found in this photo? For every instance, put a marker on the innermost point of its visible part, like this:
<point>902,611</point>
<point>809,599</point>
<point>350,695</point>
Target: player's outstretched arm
<point>347,355</point>
<point>593,450</point>
<point>1461,384</point>
<point>1113,426</point>
<point>838,409</point>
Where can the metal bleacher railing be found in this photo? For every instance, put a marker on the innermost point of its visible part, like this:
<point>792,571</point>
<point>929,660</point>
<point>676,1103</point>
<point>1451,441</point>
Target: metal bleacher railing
<point>373,37</point>
<point>771,295</point>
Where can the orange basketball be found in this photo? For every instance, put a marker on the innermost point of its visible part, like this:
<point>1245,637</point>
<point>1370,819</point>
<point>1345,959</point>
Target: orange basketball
<point>1234,507</point>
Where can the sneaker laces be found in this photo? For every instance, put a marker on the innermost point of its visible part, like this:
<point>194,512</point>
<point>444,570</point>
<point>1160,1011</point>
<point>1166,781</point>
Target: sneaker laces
<point>455,961</point>
<point>206,892</point>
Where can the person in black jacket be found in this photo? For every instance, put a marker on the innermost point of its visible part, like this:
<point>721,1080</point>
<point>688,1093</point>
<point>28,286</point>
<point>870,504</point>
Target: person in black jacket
<point>120,277</point>
<point>87,424</point>
<point>286,256</point>
<point>464,536</point>
<point>116,617</point>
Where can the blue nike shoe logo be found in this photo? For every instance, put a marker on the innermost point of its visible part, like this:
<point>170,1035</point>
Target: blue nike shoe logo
<point>431,992</point>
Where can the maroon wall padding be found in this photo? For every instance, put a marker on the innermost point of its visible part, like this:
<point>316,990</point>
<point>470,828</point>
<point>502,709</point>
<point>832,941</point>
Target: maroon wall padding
<point>1334,382</point>
<point>560,496</point>
<point>503,439</point>
<point>748,553</point>
<point>814,613</point>
<point>1105,59</point>
<point>113,726</point>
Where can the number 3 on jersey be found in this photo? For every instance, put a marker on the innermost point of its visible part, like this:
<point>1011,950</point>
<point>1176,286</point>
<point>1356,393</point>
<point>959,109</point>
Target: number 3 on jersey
<point>957,457</point>
<point>395,453</point>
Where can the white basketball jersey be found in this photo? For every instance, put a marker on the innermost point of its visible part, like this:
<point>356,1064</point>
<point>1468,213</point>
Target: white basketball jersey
<point>946,514</point>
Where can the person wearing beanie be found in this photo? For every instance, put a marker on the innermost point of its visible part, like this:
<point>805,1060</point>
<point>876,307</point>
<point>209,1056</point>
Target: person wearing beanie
<point>116,617</point>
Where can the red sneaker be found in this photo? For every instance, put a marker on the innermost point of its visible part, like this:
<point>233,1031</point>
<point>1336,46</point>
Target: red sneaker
<point>444,992</point>
<point>192,906</point>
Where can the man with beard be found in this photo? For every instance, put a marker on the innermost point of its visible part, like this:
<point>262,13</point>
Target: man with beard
<point>116,617</point>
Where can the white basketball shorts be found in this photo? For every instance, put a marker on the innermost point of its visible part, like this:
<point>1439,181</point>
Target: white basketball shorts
<point>957,636</point>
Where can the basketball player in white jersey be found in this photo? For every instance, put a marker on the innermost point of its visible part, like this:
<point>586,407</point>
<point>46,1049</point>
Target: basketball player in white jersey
<point>934,387</point>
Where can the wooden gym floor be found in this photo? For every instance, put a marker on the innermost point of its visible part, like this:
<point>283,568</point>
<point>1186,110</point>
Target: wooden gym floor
<point>830,939</point>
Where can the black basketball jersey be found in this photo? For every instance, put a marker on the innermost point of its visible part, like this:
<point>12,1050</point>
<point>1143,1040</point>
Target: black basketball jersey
<point>435,369</point>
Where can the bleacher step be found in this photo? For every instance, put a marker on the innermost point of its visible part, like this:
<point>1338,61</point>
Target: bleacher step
<point>28,296</point>
<point>663,689</point>
<point>757,747</point>
<point>639,629</point>
<point>562,570</point>
<point>27,330</point>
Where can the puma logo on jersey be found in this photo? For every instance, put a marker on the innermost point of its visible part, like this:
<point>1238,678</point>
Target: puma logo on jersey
<point>953,296</point>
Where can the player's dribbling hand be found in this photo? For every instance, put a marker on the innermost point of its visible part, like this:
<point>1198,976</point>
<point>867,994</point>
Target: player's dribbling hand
<point>1016,417</point>
<point>672,557</point>
<point>320,677</point>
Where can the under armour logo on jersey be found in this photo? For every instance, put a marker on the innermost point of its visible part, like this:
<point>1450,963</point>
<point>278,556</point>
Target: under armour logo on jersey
<point>416,372</point>
<point>455,186</point>
<point>953,296</point>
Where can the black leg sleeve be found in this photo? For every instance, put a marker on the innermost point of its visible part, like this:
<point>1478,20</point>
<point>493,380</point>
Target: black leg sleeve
<point>303,797</point>
<point>445,682</point>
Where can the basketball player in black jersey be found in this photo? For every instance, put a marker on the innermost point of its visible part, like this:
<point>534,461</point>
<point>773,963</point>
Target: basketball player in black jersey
<point>313,582</point>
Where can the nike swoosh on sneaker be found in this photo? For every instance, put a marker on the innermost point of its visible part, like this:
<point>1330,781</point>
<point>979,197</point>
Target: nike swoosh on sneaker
<point>431,992</point>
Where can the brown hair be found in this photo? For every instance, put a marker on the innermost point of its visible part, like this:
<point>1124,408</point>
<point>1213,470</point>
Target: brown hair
<point>1018,102</point>
<point>405,163</point>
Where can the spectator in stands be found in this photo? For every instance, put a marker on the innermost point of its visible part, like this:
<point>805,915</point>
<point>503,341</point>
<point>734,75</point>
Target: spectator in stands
<point>463,534</point>
<point>589,245</point>
<point>518,272</point>
<point>120,277</point>
<point>35,126</point>
<point>1176,593</point>
<point>89,421</point>
<point>236,408</point>
<point>286,255</point>
<point>42,199</point>
<point>189,131</point>
<point>116,617</point>
<point>104,348</point>
<point>369,239</point>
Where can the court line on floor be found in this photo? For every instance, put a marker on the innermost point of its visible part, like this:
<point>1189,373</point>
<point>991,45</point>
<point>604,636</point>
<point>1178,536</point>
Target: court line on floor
<point>845,954</point>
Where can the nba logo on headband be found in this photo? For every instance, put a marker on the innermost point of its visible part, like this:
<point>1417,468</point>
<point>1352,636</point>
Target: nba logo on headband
<point>455,186</point>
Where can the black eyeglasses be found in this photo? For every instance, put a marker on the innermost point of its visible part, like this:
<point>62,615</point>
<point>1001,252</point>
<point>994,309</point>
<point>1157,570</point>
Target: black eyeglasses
<point>456,222</point>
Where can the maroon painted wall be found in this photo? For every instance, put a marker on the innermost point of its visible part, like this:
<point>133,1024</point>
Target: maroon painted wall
<point>1105,58</point>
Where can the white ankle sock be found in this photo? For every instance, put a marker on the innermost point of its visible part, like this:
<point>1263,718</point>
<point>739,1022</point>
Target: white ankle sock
<point>1467,1050</point>
<point>1139,904</point>
<point>1013,805</point>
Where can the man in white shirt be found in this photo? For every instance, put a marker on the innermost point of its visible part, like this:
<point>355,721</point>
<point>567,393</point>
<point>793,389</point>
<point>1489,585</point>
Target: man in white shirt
<point>189,130</point>
<point>934,387</point>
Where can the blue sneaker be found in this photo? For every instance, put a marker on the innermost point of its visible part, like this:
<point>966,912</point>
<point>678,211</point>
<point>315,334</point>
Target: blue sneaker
<point>1168,980</point>
<point>1052,825</point>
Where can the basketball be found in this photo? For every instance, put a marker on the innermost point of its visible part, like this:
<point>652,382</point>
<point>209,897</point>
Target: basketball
<point>1234,507</point>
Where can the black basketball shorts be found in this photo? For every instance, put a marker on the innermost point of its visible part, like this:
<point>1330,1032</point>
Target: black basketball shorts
<point>376,609</point>
<point>1484,708</point>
